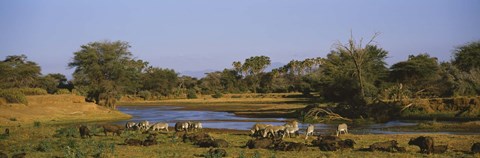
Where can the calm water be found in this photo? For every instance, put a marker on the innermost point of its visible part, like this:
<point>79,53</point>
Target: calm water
<point>227,120</point>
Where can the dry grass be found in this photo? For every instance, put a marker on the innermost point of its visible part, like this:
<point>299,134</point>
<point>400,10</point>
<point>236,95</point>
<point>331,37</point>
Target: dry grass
<point>243,103</point>
<point>28,139</point>
<point>55,109</point>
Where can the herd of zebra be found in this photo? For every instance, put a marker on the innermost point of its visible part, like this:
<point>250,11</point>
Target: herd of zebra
<point>259,129</point>
<point>288,129</point>
<point>179,126</point>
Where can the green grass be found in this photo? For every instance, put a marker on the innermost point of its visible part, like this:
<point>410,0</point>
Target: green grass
<point>53,140</point>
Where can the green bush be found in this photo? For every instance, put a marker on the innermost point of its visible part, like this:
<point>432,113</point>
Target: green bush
<point>63,91</point>
<point>32,91</point>
<point>37,124</point>
<point>13,96</point>
<point>192,94</point>
<point>65,132</point>
<point>44,146</point>
<point>146,95</point>
<point>217,95</point>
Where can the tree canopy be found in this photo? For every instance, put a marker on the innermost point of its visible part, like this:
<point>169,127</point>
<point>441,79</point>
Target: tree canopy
<point>104,70</point>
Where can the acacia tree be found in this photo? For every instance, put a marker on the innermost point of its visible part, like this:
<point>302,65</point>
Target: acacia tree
<point>467,57</point>
<point>18,72</point>
<point>359,55</point>
<point>419,73</point>
<point>254,66</point>
<point>160,81</point>
<point>104,70</point>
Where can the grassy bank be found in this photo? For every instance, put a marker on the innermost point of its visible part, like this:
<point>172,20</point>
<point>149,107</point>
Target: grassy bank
<point>255,105</point>
<point>50,141</point>
<point>56,109</point>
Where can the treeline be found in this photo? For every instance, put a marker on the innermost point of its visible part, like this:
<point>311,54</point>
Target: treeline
<point>351,73</point>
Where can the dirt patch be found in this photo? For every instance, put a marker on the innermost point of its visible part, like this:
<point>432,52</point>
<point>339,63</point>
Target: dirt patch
<point>53,109</point>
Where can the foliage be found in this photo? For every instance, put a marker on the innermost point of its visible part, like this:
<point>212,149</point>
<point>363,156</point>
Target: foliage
<point>338,74</point>
<point>217,95</point>
<point>252,67</point>
<point>467,57</point>
<point>146,95</point>
<point>13,96</point>
<point>65,132</point>
<point>31,91</point>
<point>106,69</point>
<point>52,82</point>
<point>159,81</point>
<point>63,91</point>
<point>418,73</point>
<point>18,72</point>
<point>36,124</point>
<point>192,94</point>
<point>44,146</point>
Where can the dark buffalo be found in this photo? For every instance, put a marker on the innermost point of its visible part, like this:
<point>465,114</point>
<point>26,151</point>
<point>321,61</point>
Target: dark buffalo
<point>217,153</point>
<point>439,149</point>
<point>114,129</point>
<point>19,155</point>
<point>3,155</point>
<point>84,131</point>
<point>348,143</point>
<point>475,148</point>
<point>425,143</point>
<point>388,146</point>
<point>133,142</point>
<point>262,143</point>
<point>7,131</point>
<point>290,146</point>
<point>195,137</point>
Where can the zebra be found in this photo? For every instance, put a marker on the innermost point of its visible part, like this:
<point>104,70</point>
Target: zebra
<point>309,131</point>
<point>182,126</point>
<point>159,126</point>
<point>342,127</point>
<point>257,127</point>
<point>130,125</point>
<point>143,125</point>
<point>195,125</point>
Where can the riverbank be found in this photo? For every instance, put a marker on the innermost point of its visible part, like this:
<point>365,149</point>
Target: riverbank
<point>54,141</point>
<point>248,107</point>
<point>56,109</point>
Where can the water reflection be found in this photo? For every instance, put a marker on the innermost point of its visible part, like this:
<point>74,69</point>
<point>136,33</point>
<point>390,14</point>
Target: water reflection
<point>227,120</point>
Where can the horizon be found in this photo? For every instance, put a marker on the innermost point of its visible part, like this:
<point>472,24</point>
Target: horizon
<point>197,36</point>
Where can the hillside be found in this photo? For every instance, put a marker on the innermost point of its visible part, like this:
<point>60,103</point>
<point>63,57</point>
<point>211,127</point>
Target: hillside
<point>56,109</point>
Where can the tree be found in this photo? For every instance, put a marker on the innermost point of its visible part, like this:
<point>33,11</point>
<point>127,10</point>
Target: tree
<point>104,70</point>
<point>418,73</point>
<point>212,83</point>
<point>467,57</point>
<point>254,66</point>
<point>52,82</point>
<point>352,72</point>
<point>18,72</point>
<point>160,81</point>
<point>359,56</point>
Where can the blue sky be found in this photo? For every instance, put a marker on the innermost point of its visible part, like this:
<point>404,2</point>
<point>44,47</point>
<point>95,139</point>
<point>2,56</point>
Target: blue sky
<point>195,35</point>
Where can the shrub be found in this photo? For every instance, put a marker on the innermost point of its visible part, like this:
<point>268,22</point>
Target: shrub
<point>146,95</point>
<point>32,91</point>
<point>192,94</point>
<point>44,146</point>
<point>63,91</point>
<point>13,119</point>
<point>36,124</point>
<point>66,132</point>
<point>217,95</point>
<point>236,96</point>
<point>13,96</point>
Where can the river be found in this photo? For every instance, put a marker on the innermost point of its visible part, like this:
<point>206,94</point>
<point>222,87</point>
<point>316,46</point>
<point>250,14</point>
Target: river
<point>225,120</point>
